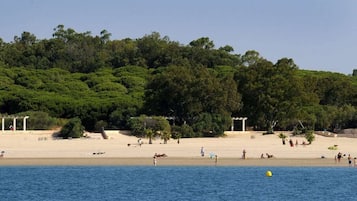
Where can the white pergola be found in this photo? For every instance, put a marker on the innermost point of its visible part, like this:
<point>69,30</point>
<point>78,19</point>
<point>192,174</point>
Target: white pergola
<point>243,119</point>
<point>14,118</point>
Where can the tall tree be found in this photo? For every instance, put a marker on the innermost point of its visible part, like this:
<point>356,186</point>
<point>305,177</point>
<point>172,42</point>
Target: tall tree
<point>185,92</point>
<point>153,48</point>
<point>268,91</point>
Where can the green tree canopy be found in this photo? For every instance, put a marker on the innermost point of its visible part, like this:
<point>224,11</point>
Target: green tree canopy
<point>184,93</point>
<point>106,81</point>
<point>269,92</point>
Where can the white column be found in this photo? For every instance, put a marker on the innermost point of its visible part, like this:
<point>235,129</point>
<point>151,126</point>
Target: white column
<point>240,119</point>
<point>3,124</point>
<point>14,124</point>
<point>24,123</point>
<point>243,124</point>
<point>232,126</point>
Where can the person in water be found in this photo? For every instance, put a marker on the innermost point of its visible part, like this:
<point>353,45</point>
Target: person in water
<point>349,160</point>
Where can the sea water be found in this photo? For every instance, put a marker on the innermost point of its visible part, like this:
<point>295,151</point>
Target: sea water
<point>176,183</point>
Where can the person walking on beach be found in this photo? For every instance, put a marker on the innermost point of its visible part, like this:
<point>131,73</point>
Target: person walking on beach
<point>215,160</point>
<point>202,152</point>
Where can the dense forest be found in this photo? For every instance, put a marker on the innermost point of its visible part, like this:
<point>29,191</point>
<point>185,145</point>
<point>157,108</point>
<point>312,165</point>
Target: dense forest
<point>106,83</point>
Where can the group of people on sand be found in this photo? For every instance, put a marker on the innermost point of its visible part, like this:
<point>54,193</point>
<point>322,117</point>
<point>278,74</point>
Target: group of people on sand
<point>292,144</point>
<point>156,156</point>
<point>267,155</point>
<point>261,156</point>
<point>244,154</point>
<point>339,156</point>
<point>211,155</point>
<point>140,142</point>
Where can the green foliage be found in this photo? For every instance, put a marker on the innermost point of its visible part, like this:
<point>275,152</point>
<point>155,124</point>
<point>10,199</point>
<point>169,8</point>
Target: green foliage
<point>310,137</point>
<point>211,125</point>
<point>269,91</point>
<point>165,136</point>
<point>105,82</point>
<point>110,86</point>
<point>161,124</point>
<point>65,95</point>
<point>72,129</point>
<point>149,133</point>
<point>183,131</point>
<point>184,93</point>
<point>137,126</point>
<point>40,120</point>
<point>225,71</point>
<point>282,136</point>
<point>99,125</point>
<point>332,147</point>
<point>152,126</point>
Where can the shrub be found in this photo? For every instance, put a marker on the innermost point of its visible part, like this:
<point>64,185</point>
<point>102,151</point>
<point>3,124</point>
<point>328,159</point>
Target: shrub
<point>310,136</point>
<point>73,129</point>
<point>333,147</point>
<point>184,131</point>
<point>39,120</point>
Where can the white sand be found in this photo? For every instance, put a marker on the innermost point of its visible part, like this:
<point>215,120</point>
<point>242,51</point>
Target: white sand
<point>40,144</point>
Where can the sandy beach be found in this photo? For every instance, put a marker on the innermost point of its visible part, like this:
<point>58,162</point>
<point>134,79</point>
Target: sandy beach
<point>40,148</point>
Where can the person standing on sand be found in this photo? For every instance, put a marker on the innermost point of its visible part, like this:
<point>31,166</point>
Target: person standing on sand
<point>215,160</point>
<point>339,156</point>
<point>202,152</point>
<point>155,160</point>
<point>291,143</point>
<point>244,152</point>
<point>140,142</point>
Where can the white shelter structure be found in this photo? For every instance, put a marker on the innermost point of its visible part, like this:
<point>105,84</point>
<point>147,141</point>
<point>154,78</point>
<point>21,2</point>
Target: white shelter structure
<point>14,119</point>
<point>243,119</point>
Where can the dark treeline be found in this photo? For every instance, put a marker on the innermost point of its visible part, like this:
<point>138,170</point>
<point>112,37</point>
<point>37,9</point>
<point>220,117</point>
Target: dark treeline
<point>105,82</point>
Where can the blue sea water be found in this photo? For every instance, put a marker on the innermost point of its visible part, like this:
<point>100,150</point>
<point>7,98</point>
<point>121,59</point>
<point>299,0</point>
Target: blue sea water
<point>176,183</point>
